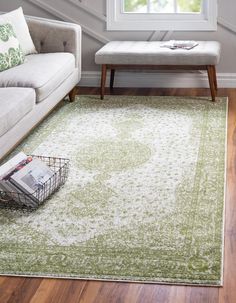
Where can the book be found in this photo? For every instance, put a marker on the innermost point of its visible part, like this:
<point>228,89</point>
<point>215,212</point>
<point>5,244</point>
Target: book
<point>32,177</point>
<point>18,167</point>
<point>179,44</point>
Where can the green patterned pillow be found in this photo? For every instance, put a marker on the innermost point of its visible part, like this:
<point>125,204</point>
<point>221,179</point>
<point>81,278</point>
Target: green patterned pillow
<point>11,53</point>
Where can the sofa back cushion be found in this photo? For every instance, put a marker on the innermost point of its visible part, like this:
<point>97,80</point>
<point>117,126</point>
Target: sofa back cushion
<point>17,19</point>
<point>11,53</point>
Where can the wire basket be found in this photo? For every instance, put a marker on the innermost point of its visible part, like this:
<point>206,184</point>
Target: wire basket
<point>60,167</point>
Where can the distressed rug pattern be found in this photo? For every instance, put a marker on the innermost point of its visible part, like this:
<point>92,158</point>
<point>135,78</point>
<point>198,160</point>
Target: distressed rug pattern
<point>145,196</point>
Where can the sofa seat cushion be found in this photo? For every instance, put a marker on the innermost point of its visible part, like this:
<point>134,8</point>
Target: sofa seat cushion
<point>15,103</point>
<point>43,72</point>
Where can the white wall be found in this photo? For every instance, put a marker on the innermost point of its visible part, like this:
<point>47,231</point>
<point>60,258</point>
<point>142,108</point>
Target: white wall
<point>95,35</point>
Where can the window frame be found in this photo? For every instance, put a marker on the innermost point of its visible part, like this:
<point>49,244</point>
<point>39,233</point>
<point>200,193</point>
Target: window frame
<point>120,21</point>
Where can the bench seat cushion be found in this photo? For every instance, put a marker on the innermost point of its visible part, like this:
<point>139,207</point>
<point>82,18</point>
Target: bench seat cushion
<point>43,72</point>
<point>15,103</point>
<point>151,53</point>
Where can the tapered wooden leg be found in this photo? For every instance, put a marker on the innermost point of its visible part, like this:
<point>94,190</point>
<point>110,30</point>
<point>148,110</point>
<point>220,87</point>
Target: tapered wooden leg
<point>215,78</point>
<point>112,78</point>
<point>72,94</point>
<point>210,73</point>
<point>103,80</point>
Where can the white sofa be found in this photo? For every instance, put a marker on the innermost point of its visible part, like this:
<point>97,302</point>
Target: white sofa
<point>28,92</point>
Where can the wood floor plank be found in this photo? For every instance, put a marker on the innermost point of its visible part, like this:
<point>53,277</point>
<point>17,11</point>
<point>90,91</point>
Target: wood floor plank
<point>8,286</point>
<point>58,291</point>
<point>108,292</point>
<point>154,294</point>
<point>133,293</point>
<point>228,292</point>
<point>91,292</point>
<point>67,291</point>
<point>194,294</point>
<point>25,292</point>
<point>178,294</point>
<point>47,290</point>
<point>202,294</point>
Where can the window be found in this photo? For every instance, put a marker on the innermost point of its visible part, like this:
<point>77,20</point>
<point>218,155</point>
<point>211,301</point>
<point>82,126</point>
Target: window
<point>183,15</point>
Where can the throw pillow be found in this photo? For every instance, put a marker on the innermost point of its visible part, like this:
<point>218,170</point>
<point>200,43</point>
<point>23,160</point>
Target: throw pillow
<point>11,53</point>
<point>21,30</point>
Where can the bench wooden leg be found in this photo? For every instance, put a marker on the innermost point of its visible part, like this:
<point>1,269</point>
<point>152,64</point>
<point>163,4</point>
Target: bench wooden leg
<point>112,78</point>
<point>211,77</point>
<point>215,78</point>
<point>103,80</point>
<point>72,94</point>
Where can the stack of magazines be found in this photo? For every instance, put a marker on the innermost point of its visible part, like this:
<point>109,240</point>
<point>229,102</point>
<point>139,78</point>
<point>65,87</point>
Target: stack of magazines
<point>179,44</point>
<point>25,175</point>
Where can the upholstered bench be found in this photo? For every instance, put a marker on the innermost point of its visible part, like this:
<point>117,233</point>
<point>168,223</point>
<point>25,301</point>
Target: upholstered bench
<point>150,55</point>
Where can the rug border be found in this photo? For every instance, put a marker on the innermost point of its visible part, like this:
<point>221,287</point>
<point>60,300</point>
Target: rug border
<point>112,280</point>
<point>225,193</point>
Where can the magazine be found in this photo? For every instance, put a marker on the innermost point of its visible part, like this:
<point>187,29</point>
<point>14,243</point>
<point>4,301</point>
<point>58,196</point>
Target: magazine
<point>7,168</point>
<point>180,44</point>
<point>32,177</point>
<point>11,164</point>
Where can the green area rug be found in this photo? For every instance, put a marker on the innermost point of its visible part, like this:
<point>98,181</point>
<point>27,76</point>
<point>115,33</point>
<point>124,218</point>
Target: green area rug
<point>145,196</point>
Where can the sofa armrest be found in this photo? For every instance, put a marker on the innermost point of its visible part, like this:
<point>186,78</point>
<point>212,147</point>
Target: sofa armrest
<point>50,36</point>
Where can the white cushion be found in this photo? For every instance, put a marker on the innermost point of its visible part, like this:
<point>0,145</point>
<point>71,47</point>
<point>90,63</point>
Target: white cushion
<point>43,72</point>
<point>21,29</point>
<point>15,103</point>
<point>10,50</point>
<point>150,53</point>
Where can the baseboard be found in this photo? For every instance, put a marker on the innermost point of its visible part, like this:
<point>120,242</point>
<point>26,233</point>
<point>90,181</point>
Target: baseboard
<point>151,79</point>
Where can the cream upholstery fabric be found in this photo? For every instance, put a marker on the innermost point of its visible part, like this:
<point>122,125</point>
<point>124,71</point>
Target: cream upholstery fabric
<point>43,72</point>
<point>15,103</point>
<point>52,36</point>
<point>150,53</point>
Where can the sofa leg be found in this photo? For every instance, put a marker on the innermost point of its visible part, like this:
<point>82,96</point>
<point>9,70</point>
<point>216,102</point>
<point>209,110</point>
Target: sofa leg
<point>72,94</point>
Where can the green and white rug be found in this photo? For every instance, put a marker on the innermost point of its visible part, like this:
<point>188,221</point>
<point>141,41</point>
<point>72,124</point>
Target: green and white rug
<point>145,196</point>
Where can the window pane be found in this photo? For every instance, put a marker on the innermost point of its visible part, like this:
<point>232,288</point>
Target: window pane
<point>135,6</point>
<point>189,6</point>
<point>162,6</point>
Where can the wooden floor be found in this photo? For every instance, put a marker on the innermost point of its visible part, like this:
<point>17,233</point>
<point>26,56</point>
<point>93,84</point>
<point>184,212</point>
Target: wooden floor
<point>32,290</point>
